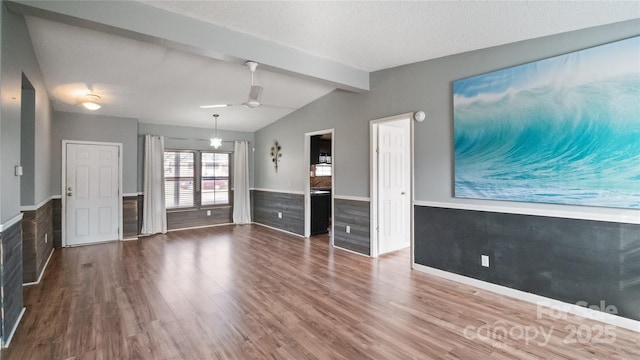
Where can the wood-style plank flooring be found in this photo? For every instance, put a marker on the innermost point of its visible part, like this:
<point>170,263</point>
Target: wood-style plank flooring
<point>249,292</point>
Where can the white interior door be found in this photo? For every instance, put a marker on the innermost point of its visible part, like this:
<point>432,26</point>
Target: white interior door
<point>92,193</point>
<point>393,187</point>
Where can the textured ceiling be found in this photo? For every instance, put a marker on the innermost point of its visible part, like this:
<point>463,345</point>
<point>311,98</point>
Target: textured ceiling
<point>374,35</point>
<point>159,84</point>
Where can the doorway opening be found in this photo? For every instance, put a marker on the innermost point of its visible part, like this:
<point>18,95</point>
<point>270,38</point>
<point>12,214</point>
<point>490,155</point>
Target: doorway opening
<point>391,184</point>
<point>319,188</point>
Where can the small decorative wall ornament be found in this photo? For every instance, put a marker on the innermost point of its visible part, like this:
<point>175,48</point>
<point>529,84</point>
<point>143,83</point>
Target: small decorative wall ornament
<point>275,153</point>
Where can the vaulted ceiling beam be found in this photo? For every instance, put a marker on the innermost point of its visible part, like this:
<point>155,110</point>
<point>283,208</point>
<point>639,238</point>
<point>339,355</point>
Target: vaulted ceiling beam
<point>144,22</point>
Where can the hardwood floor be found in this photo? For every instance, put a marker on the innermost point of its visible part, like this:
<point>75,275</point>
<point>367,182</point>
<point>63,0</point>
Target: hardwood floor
<point>249,292</point>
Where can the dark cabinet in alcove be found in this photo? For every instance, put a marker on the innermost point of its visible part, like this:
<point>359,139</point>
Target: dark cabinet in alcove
<point>319,147</point>
<point>315,150</point>
<point>320,212</point>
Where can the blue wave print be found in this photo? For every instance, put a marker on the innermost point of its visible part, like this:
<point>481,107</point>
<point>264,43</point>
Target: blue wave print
<point>577,144</point>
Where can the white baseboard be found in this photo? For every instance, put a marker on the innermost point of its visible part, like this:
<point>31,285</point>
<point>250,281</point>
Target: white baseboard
<point>15,327</point>
<point>281,230</point>
<point>351,251</point>
<point>353,198</point>
<point>555,305</point>
<point>198,227</point>
<point>42,272</point>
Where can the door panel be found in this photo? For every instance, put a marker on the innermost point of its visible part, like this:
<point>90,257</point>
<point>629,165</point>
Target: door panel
<point>92,193</point>
<point>394,186</point>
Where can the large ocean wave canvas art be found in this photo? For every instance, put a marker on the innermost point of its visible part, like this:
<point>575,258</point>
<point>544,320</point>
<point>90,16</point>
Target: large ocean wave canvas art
<point>562,130</point>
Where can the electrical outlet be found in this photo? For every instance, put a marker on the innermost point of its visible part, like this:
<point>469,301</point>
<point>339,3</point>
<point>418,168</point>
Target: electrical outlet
<point>279,215</point>
<point>208,212</point>
<point>485,260</point>
<point>348,229</point>
<point>46,239</point>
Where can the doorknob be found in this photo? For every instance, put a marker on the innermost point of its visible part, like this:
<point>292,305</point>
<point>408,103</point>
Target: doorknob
<point>402,193</point>
<point>69,194</point>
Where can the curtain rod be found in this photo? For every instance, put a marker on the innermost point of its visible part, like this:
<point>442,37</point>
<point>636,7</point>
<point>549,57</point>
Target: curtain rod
<point>187,139</point>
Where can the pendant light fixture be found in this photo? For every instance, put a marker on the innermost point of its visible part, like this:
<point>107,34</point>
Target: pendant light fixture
<point>216,141</point>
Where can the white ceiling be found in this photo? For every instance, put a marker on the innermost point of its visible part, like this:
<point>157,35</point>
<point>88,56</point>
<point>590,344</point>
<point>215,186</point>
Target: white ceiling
<point>375,35</point>
<point>159,84</point>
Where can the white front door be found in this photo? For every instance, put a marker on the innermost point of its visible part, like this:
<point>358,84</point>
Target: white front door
<point>393,187</point>
<point>92,193</point>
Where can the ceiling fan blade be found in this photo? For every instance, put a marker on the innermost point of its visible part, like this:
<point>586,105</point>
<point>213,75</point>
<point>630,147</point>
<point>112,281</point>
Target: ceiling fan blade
<point>214,106</point>
<point>255,92</point>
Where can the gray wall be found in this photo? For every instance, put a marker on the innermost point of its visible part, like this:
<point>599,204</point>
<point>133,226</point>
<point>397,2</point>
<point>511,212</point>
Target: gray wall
<point>340,110</point>
<point>17,58</point>
<point>27,142</point>
<point>421,86</point>
<point>183,132</point>
<point>90,127</point>
<point>2,11</point>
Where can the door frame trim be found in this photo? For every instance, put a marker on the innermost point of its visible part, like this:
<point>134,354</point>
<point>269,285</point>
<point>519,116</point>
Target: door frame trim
<point>63,175</point>
<point>307,183</point>
<point>374,125</point>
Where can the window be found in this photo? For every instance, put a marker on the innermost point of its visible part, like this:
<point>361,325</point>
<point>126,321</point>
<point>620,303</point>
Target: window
<point>215,178</point>
<point>323,170</point>
<point>196,178</point>
<point>178,179</point>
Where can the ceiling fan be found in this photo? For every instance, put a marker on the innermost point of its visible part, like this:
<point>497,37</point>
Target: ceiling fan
<point>255,92</point>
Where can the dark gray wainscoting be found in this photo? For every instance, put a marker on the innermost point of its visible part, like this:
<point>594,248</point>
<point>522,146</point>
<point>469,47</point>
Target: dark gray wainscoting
<point>182,219</point>
<point>57,223</point>
<point>267,204</point>
<point>36,225</point>
<point>355,214</point>
<point>140,208</point>
<point>11,277</point>
<point>130,217</point>
<point>564,259</point>
<point>194,218</point>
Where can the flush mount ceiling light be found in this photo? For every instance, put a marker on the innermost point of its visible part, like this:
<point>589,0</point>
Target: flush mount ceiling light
<point>90,102</point>
<point>216,141</point>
